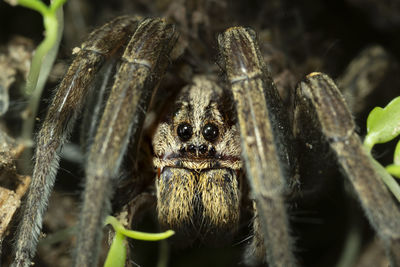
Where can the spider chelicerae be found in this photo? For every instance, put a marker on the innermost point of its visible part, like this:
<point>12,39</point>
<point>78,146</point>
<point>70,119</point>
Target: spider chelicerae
<point>218,130</point>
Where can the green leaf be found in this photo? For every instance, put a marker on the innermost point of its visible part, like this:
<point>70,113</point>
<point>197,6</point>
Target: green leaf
<point>118,227</point>
<point>383,124</point>
<point>148,236</point>
<point>393,170</point>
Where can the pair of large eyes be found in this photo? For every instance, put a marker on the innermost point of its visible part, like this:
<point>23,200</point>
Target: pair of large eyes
<point>209,131</point>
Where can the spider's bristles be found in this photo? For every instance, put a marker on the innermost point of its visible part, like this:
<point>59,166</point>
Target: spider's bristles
<point>265,143</point>
<point>197,152</point>
<point>66,105</point>
<point>318,96</point>
<point>143,64</point>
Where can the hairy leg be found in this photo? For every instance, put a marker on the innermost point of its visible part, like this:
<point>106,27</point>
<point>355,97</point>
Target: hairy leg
<point>321,113</point>
<point>265,153</point>
<point>66,105</point>
<point>143,64</point>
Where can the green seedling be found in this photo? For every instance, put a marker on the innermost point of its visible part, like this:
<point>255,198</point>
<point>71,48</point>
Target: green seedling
<point>394,169</point>
<point>117,254</point>
<point>383,125</point>
<point>51,26</point>
<point>43,58</point>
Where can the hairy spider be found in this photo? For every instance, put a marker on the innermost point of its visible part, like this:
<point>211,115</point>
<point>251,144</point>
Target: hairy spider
<point>217,131</point>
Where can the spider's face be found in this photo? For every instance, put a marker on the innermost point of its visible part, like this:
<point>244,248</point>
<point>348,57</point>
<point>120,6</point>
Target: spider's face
<point>197,154</point>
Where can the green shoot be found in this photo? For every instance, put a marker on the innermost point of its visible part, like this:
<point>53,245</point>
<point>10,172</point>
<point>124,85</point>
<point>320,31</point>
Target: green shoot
<point>383,125</point>
<point>394,169</point>
<point>117,253</point>
<point>51,26</point>
<point>42,63</point>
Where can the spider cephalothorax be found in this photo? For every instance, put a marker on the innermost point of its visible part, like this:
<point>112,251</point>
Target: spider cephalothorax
<point>197,153</point>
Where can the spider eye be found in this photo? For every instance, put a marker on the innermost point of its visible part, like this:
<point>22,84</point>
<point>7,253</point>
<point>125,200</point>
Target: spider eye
<point>210,132</point>
<point>185,131</point>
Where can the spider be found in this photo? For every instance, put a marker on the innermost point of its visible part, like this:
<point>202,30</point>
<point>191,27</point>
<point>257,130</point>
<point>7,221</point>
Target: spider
<point>219,130</point>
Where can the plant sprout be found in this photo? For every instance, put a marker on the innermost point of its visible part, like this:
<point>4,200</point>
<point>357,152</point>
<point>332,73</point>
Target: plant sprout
<point>117,254</point>
<point>43,57</point>
<point>394,169</point>
<point>383,125</point>
<point>51,24</point>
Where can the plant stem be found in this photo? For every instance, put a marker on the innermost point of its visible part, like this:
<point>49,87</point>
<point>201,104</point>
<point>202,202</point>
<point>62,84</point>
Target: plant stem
<point>116,256</point>
<point>390,182</point>
<point>37,5</point>
<point>136,234</point>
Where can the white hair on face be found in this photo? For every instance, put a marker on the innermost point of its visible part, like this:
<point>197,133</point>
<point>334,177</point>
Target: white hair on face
<point>198,104</point>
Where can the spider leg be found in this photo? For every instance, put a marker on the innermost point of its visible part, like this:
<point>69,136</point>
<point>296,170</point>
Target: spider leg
<point>143,63</point>
<point>95,104</point>
<point>321,115</point>
<point>66,105</point>
<point>260,115</point>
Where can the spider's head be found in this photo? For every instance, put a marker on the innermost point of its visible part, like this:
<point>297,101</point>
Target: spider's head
<point>200,132</point>
<point>197,154</point>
